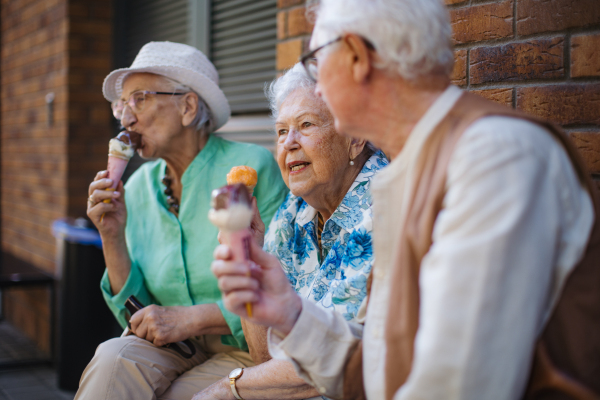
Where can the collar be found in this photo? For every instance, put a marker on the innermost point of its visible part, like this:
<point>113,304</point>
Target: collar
<point>198,163</point>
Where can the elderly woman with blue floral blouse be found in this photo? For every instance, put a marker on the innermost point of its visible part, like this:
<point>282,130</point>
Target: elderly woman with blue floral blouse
<point>321,234</point>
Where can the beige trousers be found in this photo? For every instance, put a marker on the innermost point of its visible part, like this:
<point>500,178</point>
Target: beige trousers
<point>131,368</point>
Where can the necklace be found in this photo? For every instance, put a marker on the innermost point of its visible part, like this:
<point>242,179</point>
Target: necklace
<point>171,199</point>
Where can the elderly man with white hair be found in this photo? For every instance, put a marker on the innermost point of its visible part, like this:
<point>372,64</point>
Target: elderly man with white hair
<point>485,233</point>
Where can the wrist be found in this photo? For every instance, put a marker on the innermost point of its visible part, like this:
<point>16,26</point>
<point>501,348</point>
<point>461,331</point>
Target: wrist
<point>225,389</point>
<point>115,241</point>
<point>291,316</point>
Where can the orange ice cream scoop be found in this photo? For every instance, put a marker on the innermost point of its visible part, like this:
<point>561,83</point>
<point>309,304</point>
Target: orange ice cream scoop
<point>243,174</point>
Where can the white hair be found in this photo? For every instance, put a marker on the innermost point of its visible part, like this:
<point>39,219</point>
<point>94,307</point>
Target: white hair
<point>412,38</point>
<point>294,78</point>
<point>282,87</point>
<point>203,119</point>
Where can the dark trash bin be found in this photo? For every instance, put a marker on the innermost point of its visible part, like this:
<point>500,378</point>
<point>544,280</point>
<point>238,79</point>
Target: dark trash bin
<point>84,318</point>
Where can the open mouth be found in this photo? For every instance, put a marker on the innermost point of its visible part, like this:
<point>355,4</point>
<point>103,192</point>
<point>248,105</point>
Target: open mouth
<point>297,166</point>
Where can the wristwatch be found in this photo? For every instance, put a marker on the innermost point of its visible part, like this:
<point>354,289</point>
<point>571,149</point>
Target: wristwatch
<point>234,376</point>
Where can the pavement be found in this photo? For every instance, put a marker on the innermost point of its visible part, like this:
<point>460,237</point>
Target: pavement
<point>26,380</point>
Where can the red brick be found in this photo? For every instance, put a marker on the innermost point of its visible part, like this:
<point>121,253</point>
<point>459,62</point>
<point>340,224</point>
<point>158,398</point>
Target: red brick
<point>288,3</point>
<point>482,22</point>
<point>537,16</point>
<point>281,25</point>
<point>297,23</point>
<point>563,104</point>
<point>537,59</point>
<point>502,96</point>
<point>588,144</point>
<point>449,2</point>
<point>288,53</point>
<point>585,55</point>
<point>459,73</point>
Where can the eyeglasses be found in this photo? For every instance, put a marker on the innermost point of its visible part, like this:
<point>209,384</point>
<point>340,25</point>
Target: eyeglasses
<point>136,102</point>
<point>309,61</point>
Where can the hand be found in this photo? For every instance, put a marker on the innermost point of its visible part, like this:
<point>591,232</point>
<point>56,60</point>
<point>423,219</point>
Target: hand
<point>262,283</point>
<point>219,390</point>
<point>257,226</point>
<point>162,325</point>
<point>112,225</point>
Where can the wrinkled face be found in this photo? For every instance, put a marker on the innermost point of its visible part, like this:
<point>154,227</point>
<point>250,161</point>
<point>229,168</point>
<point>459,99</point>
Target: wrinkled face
<point>160,120</point>
<point>312,156</point>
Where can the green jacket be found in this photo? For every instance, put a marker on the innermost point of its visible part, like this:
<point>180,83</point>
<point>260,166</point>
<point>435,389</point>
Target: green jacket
<point>171,257</point>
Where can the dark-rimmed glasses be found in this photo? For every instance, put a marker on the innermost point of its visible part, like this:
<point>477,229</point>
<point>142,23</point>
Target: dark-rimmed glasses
<point>136,102</point>
<point>309,61</point>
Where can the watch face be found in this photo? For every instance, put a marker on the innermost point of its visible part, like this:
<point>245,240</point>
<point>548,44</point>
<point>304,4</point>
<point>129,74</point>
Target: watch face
<point>236,373</point>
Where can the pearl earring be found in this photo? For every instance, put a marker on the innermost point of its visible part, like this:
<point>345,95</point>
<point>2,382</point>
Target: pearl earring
<point>351,162</point>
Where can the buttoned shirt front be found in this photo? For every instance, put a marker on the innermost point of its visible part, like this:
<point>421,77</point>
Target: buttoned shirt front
<point>515,221</point>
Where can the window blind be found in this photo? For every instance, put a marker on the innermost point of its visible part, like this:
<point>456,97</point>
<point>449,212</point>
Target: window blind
<point>243,48</point>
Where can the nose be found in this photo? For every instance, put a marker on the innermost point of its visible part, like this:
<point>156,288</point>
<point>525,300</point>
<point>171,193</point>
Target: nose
<point>291,140</point>
<point>128,118</point>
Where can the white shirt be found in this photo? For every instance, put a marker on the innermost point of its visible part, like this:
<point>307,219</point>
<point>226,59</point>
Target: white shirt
<point>515,221</point>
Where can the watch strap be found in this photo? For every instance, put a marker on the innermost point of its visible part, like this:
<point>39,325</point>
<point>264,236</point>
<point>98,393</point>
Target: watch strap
<point>234,389</point>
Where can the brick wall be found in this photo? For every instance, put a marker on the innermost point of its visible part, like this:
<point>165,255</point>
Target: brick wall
<point>89,119</point>
<point>541,56</point>
<point>61,47</point>
<point>293,32</point>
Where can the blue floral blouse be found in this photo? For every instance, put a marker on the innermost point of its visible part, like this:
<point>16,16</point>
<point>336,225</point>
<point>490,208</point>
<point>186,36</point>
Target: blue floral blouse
<point>339,280</point>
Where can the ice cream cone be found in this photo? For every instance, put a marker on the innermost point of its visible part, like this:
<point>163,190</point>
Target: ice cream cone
<point>120,151</point>
<point>231,212</point>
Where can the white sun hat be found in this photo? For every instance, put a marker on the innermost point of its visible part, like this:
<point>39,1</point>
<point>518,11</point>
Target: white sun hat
<point>182,63</point>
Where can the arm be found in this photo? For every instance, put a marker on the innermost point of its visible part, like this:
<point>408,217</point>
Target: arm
<point>256,337</point>
<point>486,281</point>
<point>272,380</point>
<point>110,219</point>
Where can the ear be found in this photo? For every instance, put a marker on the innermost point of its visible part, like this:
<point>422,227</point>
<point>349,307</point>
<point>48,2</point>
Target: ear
<point>356,147</point>
<point>189,108</point>
<point>361,63</point>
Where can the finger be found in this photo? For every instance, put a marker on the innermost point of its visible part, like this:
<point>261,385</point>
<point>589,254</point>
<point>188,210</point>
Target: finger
<point>101,184</point>
<point>262,258</point>
<point>224,268</point>
<point>222,252</point>
<point>101,195</point>
<point>237,282</point>
<point>137,318</point>
<point>101,174</point>
<point>236,301</point>
<point>101,208</point>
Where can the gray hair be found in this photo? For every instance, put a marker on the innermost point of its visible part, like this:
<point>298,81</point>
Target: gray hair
<point>282,87</point>
<point>413,38</point>
<point>203,119</point>
<point>295,78</point>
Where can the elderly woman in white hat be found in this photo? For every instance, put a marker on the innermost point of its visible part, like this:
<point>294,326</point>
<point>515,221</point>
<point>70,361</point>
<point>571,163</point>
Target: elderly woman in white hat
<point>157,240</point>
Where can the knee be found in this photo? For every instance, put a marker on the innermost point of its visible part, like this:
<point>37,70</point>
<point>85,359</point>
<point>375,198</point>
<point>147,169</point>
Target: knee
<point>109,353</point>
